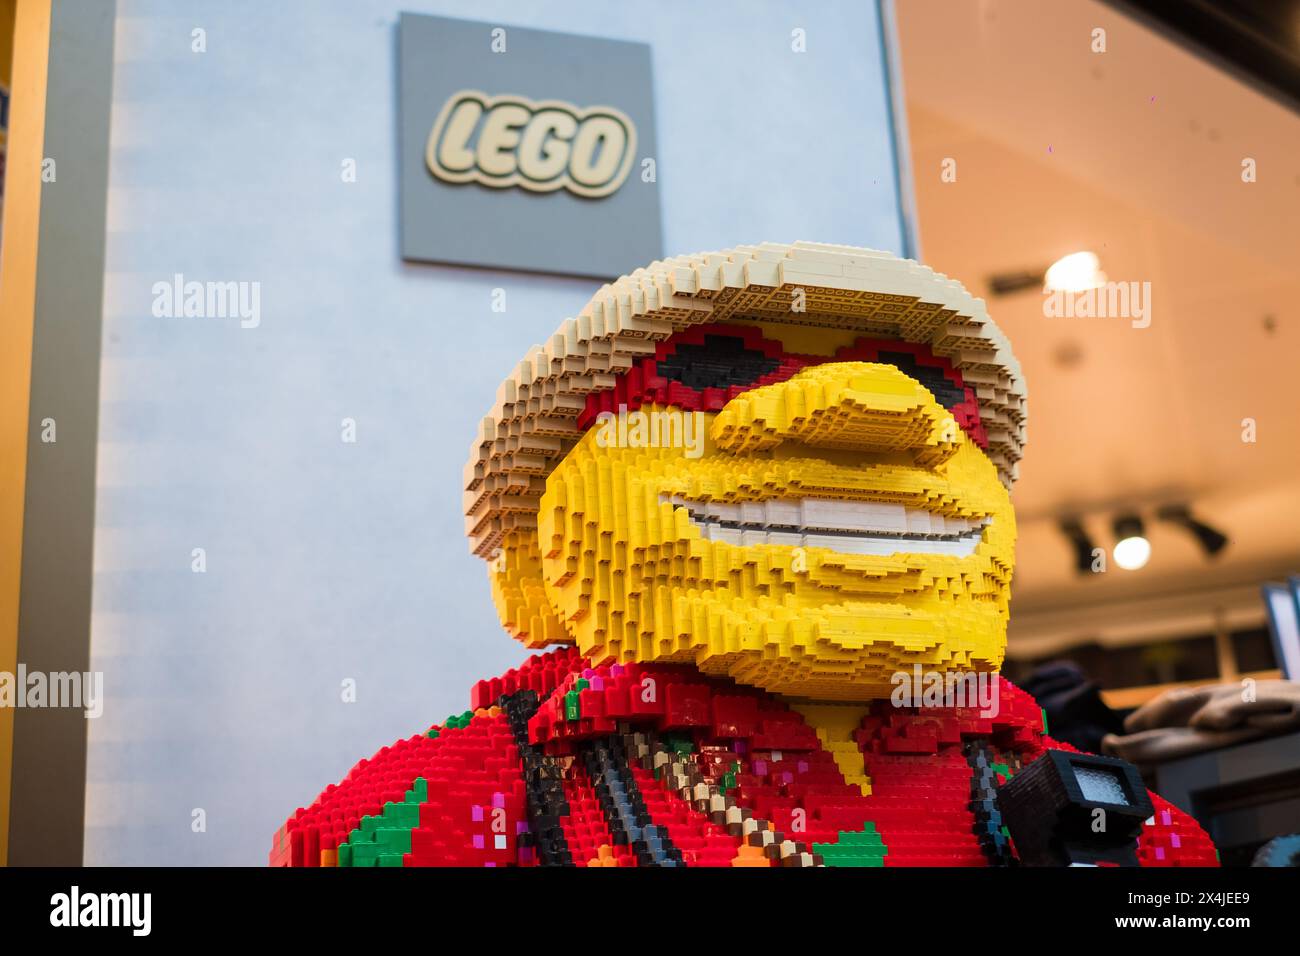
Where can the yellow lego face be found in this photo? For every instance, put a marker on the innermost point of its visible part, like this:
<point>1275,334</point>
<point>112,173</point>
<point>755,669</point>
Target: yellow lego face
<point>827,522</point>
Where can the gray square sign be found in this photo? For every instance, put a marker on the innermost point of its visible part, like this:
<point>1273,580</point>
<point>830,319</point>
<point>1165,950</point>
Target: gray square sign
<point>524,149</point>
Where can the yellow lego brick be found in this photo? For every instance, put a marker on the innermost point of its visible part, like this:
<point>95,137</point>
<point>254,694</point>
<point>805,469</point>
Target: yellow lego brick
<point>834,725</point>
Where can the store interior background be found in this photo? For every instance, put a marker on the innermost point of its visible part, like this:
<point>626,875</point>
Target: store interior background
<point>1134,154</point>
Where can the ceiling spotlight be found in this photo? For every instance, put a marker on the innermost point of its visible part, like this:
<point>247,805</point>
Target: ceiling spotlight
<point>1074,273</point>
<point>1132,549</point>
<point>1083,546</point>
<point>1212,540</point>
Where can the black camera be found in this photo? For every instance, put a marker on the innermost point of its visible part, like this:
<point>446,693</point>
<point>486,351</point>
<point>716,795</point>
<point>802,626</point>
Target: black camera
<point>1068,809</point>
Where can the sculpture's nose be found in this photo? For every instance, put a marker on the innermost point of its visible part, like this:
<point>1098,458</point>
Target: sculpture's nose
<point>850,405</point>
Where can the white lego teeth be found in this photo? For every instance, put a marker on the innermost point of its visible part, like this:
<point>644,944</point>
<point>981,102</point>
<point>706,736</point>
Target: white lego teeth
<point>850,527</point>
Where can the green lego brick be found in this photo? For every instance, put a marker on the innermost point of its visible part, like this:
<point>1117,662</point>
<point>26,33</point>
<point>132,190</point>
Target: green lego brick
<point>862,848</point>
<point>393,839</point>
<point>680,744</point>
<point>458,721</point>
<point>365,854</point>
<point>385,837</point>
<point>402,815</point>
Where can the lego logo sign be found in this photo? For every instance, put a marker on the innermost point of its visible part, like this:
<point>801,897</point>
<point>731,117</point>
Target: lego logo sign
<point>518,148</point>
<point>504,141</point>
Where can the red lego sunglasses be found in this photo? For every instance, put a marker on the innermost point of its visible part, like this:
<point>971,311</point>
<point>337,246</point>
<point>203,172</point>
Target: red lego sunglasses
<point>704,367</point>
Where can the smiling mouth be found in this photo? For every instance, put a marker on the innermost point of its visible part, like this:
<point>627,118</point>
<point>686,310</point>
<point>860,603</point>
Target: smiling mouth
<point>849,527</point>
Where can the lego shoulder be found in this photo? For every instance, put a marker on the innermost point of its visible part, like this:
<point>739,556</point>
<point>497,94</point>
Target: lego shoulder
<point>451,796</point>
<point>1170,837</point>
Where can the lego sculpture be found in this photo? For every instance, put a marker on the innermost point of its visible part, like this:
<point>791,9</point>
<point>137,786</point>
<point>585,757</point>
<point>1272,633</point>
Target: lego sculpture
<point>758,503</point>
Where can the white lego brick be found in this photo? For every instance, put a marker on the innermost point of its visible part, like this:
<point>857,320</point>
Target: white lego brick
<point>918,521</point>
<point>792,538</point>
<point>783,512</point>
<point>887,517</point>
<point>723,511</point>
<point>719,533</point>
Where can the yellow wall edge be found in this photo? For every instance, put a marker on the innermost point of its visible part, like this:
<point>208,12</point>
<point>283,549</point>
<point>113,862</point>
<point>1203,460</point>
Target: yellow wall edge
<point>18,248</point>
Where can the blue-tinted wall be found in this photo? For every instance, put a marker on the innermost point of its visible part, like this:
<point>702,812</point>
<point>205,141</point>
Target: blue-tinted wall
<point>327,560</point>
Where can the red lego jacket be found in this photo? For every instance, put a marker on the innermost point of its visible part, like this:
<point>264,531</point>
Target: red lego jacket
<point>561,763</point>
